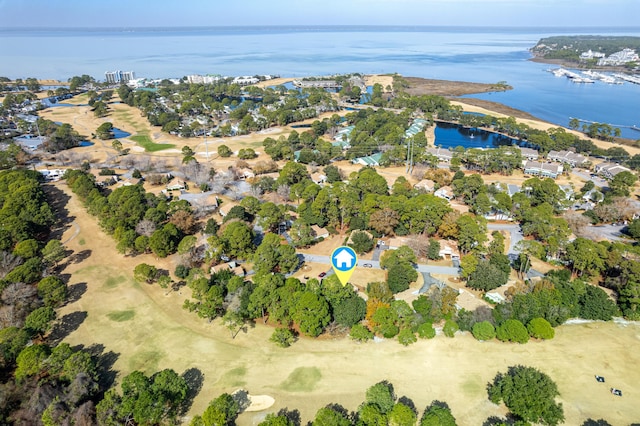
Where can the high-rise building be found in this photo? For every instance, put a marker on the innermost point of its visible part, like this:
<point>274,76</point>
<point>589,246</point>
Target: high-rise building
<point>114,77</point>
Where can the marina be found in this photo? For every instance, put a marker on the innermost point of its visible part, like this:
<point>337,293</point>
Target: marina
<point>590,76</point>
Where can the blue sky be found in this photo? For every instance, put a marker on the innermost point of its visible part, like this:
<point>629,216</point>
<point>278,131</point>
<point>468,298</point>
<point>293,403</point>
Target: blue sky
<point>118,13</point>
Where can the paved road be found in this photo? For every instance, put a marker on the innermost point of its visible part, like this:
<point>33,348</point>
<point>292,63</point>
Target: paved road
<point>608,232</point>
<point>514,231</point>
<point>445,270</point>
<point>598,181</point>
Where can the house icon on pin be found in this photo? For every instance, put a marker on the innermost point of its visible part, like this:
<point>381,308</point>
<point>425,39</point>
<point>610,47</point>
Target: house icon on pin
<point>343,260</point>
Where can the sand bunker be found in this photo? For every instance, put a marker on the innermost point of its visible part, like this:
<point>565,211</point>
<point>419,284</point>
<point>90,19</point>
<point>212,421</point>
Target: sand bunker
<point>260,402</point>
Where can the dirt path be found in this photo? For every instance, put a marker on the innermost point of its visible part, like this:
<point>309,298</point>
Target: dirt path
<point>149,331</point>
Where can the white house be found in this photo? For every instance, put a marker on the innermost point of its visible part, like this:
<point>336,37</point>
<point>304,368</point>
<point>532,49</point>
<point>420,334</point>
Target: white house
<point>445,192</point>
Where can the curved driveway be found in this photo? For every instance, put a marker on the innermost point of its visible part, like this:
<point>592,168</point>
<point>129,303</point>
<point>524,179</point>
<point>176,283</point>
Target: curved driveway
<point>515,233</point>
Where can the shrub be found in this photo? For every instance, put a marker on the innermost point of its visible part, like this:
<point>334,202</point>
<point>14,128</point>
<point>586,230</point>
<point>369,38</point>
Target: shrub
<point>426,331</point>
<point>407,337</point>
<point>360,333</point>
<point>282,337</point>
<point>224,151</point>
<point>182,271</point>
<point>540,328</point>
<point>512,331</point>
<point>483,330</point>
<point>450,328</point>
<point>145,272</point>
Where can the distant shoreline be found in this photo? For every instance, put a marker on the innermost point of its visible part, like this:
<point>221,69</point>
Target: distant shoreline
<point>577,65</point>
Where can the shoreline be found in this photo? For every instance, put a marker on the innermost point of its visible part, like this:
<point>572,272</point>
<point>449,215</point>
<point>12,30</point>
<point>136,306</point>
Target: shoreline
<point>578,65</point>
<point>84,122</point>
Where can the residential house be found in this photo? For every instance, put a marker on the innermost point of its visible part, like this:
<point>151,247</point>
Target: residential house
<point>449,250</point>
<point>318,178</point>
<point>229,266</point>
<point>204,201</point>
<point>343,137</point>
<point>52,175</point>
<point>569,157</point>
<point>528,153</point>
<point>543,169</point>
<point>394,243</point>
<point>226,207</point>
<point>445,192</point>
<point>319,232</point>
<point>425,185</point>
<point>416,127</point>
<point>609,170</point>
<point>443,154</point>
<point>568,191</point>
<point>176,186</point>
<point>370,160</point>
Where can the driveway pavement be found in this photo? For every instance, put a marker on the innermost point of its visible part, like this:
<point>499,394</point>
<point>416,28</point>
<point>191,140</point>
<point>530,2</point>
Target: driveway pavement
<point>515,234</point>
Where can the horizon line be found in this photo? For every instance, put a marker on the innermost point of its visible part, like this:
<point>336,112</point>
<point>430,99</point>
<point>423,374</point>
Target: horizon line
<point>518,27</point>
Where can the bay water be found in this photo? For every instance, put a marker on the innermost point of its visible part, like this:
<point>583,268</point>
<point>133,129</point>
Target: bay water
<point>476,54</point>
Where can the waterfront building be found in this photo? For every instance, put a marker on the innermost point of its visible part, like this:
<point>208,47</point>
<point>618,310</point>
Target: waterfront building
<point>116,77</point>
<point>416,127</point>
<point>567,157</point>
<point>443,154</point>
<point>245,80</point>
<point>537,168</point>
<point>609,170</point>
<point>528,153</point>
<point>324,84</point>
<point>589,54</point>
<point>203,79</point>
<point>620,58</point>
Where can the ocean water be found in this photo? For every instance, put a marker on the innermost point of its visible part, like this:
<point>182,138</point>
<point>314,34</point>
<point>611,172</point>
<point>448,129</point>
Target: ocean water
<point>482,54</point>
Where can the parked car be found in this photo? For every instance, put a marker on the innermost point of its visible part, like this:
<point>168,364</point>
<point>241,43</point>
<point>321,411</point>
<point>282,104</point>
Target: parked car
<point>368,265</point>
<point>322,274</point>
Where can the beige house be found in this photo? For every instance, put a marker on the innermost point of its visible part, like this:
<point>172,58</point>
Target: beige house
<point>319,232</point>
<point>229,266</point>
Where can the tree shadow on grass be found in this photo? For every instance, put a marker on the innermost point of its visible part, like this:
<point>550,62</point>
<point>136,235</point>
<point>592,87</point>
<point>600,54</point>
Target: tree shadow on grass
<point>599,422</point>
<point>65,326</point>
<point>104,364</point>
<point>495,420</point>
<point>79,256</point>
<point>292,415</point>
<point>75,292</point>
<point>58,200</point>
<point>241,396</point>
<point>195,380</point>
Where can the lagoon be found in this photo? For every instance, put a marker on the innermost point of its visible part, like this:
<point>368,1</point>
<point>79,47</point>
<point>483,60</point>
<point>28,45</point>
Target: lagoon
<point>451,136</point>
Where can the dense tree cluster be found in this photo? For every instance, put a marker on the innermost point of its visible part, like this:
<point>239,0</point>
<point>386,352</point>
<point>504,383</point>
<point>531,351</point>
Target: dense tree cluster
<point>223,103</point>
<point>380,407</point>
<point>139,222</point>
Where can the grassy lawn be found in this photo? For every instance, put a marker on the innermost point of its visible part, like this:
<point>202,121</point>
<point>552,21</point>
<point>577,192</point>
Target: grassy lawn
<point>121,316</point>
<point>150,146</point>
<point>302,379</point>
